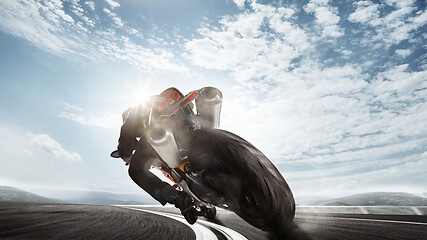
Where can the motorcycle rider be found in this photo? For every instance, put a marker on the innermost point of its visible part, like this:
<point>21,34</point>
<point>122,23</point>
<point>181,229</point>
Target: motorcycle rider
<point>135,150</point>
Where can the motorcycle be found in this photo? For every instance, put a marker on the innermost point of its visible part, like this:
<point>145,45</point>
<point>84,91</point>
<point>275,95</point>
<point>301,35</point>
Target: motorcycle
<point>213,166</point>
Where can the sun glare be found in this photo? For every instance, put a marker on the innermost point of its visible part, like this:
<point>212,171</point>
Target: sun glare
<point>138,92</point>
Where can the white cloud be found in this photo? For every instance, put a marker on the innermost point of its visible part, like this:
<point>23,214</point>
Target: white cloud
<point>326,16</point>
<point>91,5</point>
<point>146,59</point>
<point>242,47</point>
<point>404,52</point>
<point>420,19</point>
<point>400,82</point>
<point>80,13</point>
<point>405,176</point>
<point>366,12</point>
<point>64,16</point>
<point>240,3</point>
<point>47,144</point>
<point>302,111</point>
<point>400,3</point>
<point>51,28</point>
<point>306,106</point>
<point>103,120</point>
<point>334,110</point>
<point>69,106</point>
<point>33,161</point>
<point>112,3</point>
<point>38,24</point>
<point>107,120</point>
<point>117,20</point>
<point>394,27</point>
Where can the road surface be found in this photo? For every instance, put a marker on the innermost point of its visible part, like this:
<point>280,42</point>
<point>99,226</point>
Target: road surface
<point>62,221</point>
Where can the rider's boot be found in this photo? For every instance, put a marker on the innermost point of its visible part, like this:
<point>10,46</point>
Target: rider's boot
<point>188,210</point>
<point>182,201</point>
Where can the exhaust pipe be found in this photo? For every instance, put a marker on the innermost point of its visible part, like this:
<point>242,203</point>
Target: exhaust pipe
<point>161,139</point>
<point>208,105</point>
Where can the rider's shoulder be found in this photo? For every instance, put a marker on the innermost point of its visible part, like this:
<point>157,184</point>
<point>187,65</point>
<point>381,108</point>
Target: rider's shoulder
<point>127,113</point>
<point>135,111</point>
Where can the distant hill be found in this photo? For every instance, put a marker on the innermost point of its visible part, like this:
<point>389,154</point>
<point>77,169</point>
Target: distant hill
<point>376,199</point>
<point>11,194</point>
<point>106,198</point>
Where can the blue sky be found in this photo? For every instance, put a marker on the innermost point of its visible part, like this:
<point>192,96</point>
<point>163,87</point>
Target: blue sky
<point>333,92</point>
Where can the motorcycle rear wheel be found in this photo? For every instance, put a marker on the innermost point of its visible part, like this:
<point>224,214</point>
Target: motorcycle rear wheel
<point>251,185</point>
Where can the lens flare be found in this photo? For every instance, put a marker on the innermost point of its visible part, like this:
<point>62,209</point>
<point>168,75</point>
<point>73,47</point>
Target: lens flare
<point>138,92</point>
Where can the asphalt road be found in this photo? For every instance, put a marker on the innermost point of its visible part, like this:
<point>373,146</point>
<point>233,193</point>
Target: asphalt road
<point>57,221</point>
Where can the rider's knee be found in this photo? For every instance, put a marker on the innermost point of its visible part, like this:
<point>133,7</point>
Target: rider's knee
<point>133,173</point>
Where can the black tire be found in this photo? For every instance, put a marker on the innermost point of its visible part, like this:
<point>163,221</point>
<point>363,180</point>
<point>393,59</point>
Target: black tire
<point>252,186</point>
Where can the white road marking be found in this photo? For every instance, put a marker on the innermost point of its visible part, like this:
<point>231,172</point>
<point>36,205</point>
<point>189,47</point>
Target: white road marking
<point>363,210</point>
<point>202,232</point>
<point>374,220</point>
<point>416,211</point>
<point>228,233</point>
